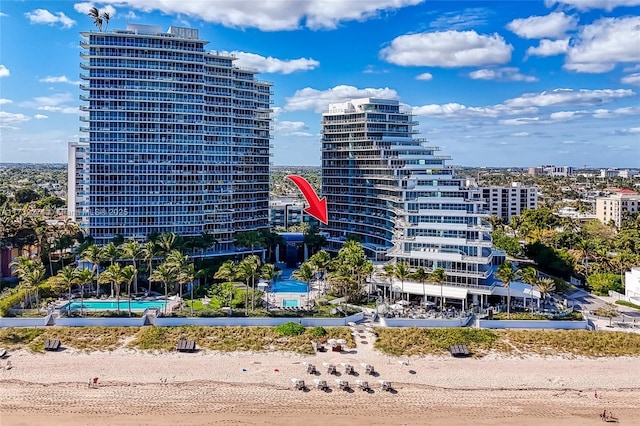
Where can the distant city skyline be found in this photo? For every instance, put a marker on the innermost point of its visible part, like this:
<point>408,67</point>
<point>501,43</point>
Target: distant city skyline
<point>496,84</point>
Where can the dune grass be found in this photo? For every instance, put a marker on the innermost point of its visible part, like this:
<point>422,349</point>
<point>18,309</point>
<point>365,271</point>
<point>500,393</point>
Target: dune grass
<point>224,339</point>
<point>420,341</point>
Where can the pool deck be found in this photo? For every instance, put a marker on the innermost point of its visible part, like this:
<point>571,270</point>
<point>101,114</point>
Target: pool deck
<point>276,300</point>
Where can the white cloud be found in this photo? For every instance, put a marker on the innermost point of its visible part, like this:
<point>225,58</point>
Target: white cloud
<point>520,121</point>
<point>318,100</point>
<point>448,49</point>
<point>558,97</point>
<point>454,110</point>
<point>425,76</point>
<point>4,101</point>
<point>549,48</point>
<point>8,119</point>
<point>40,116</point>
<point>553,25</point>
<point>3,15</point>
<point>603,44</point>
<point>633,68</point>
<point>520,134</point>
<point>59,79</point>
<point>271,15</point>
<point>566,115</point>
<point>633,79</point>
<point>43,16</point>
<point>468,18</point>
<point>53,100</point>
<point>62,109</point>
<point>607,5</point>
<point>4,71</point>
<point>274,65</point>
<point>632,130</point>
<point>608,113</point>
<point>291,128</point>
<point>501,74</point>
<point>131,15</point>
<point>84,8</point>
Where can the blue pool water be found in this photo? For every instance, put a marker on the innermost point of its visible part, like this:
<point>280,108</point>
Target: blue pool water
<point>104,305</point>
<point>288,286</point>
<point>290,303</point>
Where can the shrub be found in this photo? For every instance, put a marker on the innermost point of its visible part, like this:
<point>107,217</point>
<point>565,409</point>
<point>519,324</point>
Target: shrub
<point>318,331</point>
<point>628,304</point>
<point>602,283</point>
<point>10,301</point>
<point>290,329</point>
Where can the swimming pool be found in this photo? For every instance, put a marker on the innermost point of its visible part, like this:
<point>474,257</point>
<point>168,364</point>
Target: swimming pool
<point>109,305</point>
<point>290,303</point>
<point>288,286</point>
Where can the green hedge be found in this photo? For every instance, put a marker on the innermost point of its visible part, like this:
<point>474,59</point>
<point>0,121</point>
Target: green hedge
<point>10,301</point>
<point>628,304</point>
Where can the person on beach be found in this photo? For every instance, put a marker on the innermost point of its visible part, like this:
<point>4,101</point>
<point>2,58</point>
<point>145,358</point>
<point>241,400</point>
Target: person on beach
<point>89,383</point>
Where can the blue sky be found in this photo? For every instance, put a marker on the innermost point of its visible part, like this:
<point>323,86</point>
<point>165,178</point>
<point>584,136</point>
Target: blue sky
<point>506,83</point>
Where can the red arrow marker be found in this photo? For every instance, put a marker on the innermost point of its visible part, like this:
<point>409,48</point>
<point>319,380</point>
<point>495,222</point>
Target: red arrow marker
<point>317,207</point>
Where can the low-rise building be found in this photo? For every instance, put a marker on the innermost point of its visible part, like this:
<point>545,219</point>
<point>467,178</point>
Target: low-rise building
<point>612,207</point>
<point>285,212</point>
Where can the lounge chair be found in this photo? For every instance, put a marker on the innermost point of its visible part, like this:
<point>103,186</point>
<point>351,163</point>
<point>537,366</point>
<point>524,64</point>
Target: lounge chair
<point>368,368</point>
<point>331,369</point>
<point>298,384</point>
<point>384,385</point>
<point>348,368</point>
<point>361,384</point>
<point>3,353</point>
<point>9,366</point>
<point>311,369</point>
<point>51,344</point>
<point>342,384</point>
<point>320,384</point>
<point>186,345</point>
<point>459,350</point>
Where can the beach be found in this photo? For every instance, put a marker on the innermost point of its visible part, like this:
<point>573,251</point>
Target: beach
<point>247,388</point>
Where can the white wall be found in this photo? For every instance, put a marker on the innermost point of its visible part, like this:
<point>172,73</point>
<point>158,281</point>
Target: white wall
<point>101,322</point>
<point>265,322</point>
<point>550,325</point>
<point>410,322</point>
<point>22,322</point>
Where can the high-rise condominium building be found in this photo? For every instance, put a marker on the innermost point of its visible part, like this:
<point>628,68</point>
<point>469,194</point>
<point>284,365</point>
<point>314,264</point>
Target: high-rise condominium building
<point>178,138</point>
<point>507,201</point>
<point>396,195</point>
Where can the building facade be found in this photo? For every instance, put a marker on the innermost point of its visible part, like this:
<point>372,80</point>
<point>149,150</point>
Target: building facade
<point>613,207</point>
<point>286,212</point>
<point>555,171</point>
<point>507,201</point>
<point>632,285</point>
<point>178,138</point>
<point>396,195</point>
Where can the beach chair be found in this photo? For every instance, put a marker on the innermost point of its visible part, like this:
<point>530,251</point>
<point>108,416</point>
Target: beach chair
<point>459,350</point>
<point>368,369</point>
<point>94,382</point>
<point>51,344</point>
<point>319,347</point>
<point>348,368</point>
<point>384,385</point>
<point>186,345</point>
<point>298,384</point>
<point>311,369</point>
<point>364,385</point>
<point>3,353</point>
<point>331,369</point>
<point>342,384</point>
<point>320,384</point>
<point>9,366</point>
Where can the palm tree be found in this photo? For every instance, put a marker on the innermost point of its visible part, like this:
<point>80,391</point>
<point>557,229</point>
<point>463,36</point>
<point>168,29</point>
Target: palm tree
<point>305,273</point>
<point>389,272</point>
<point>85,276</point>
<point>127,275</point>
<point>321,261</point>
<point>249,239</point>
<point>167,242</point>
<point>402,272</point>
<point>97,19</point>
<point>166,275</point>
<point>529,275</point>
<point>131,250</point>
<point>546,286</point>
<point>150,251</point>
<point>248,269</point>
<point>507,274</point>
<point>31,274</point>
<point>111,275</point>
<point>67,277</point>
<point>93,255</point>
<point>106,17</point>
<point>110,252</point>
<point>438,276</point>
<point>178,262</point>
<point>186,275</point>
<point>228,271</point>
<point>421,276</point>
